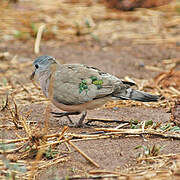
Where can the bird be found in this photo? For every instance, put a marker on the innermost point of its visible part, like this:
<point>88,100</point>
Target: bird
<point>77,88</point>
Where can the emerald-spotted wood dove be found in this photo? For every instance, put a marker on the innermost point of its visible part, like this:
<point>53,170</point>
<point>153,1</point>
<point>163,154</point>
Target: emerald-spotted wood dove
<point>76,88</point>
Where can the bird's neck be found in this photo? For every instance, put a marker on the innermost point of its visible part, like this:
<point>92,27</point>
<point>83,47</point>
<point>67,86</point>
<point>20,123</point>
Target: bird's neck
<point>44,81</point>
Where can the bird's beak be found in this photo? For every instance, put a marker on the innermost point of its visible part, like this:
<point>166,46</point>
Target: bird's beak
<point>32,75</point>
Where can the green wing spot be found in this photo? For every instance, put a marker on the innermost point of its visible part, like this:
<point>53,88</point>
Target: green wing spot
<point>94,78</point>
<point>84,81</point>
<point>98,82</point>
<point>83,86</point>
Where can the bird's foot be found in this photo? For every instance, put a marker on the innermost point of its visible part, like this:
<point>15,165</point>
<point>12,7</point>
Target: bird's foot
<point>58,115</point>
<point>80,122</point>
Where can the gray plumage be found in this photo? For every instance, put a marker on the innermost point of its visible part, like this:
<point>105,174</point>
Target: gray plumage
<point>78,84</point>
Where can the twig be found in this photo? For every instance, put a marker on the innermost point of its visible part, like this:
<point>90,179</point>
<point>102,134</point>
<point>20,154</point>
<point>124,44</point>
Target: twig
<point>10,126</point>
<point>35,163</point>
<point>160,156</point>
<point>53,143</point>
<point>105,172</point>
<point>86,139</point>
<point>92,177</point>
<point>61,135</point>
<point>140,132</point>
<point>54,161</point>
<point>47,116</point>
<point>38,38</point>
<point>89,120</point>
<point>51,94</point>
<point>121,125</point>
<point>6,103</point>
<point>174,90</point>
<point>67,146</point>
<point>83,154</point>
<point>7,141</point>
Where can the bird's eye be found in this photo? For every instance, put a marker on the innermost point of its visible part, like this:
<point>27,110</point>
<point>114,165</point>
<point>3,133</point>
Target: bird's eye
<point>36,66</point>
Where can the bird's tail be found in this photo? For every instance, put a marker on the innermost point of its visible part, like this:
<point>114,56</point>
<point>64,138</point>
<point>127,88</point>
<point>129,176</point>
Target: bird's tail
<point>132,94</point>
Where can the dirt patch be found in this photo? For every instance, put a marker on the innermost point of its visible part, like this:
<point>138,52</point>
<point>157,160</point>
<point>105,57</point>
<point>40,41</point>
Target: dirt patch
<point>122,58</point>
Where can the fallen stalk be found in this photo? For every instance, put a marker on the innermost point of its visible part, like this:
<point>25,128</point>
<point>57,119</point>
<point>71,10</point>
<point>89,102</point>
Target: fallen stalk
<point>89,120</point>
<point>140,132</point>
<point>83,154</point>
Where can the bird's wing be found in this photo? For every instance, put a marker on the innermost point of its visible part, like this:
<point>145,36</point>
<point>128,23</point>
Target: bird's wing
<point>77,84</point>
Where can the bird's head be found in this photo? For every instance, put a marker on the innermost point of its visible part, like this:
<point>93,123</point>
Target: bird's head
<point>41,64</point>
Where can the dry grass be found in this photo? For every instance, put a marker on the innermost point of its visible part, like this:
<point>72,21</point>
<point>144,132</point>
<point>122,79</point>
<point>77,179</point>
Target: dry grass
<point>70,21</point>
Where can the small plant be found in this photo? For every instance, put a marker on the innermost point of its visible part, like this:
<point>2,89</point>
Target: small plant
<point>12,169</point>
<point>178,6</point>
<point>21,35</point>
<point>34,29</point>
<point>134,124</point>
<point>49,154</point>
<point>175,129</point>
<point>148,123</point>
<point>165,127</point>
<point>149,151</point>
<point>5,147</point>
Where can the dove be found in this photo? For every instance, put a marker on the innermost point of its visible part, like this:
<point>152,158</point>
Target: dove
<point>76,88</point>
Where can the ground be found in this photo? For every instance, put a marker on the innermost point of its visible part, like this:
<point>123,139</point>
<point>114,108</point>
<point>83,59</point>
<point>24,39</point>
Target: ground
<point>122,58</point>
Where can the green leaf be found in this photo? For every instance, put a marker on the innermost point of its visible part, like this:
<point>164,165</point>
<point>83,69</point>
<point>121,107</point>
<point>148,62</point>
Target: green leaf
<point>49,154</point>
<point>87,23</point>
<point>146,150</point>
<point>5,147</point>
<point>138,147</point>
<point>34,28</point>
<point>165,127</point>
<point>20,34</point>
<point>149,123</point>
<point>175,128</point>
<point>4,81</point>
<point>134,124</point>
<point>15,167</point>
<point>95,37</point>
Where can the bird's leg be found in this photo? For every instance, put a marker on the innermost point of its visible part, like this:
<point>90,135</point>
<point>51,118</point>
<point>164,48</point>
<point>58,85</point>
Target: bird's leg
<point>65,114</point>
<point>69,119</point>
<point>80,122</point>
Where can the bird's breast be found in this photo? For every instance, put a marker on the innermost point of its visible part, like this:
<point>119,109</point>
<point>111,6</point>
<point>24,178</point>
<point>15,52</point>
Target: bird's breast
<point>82,107</point>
